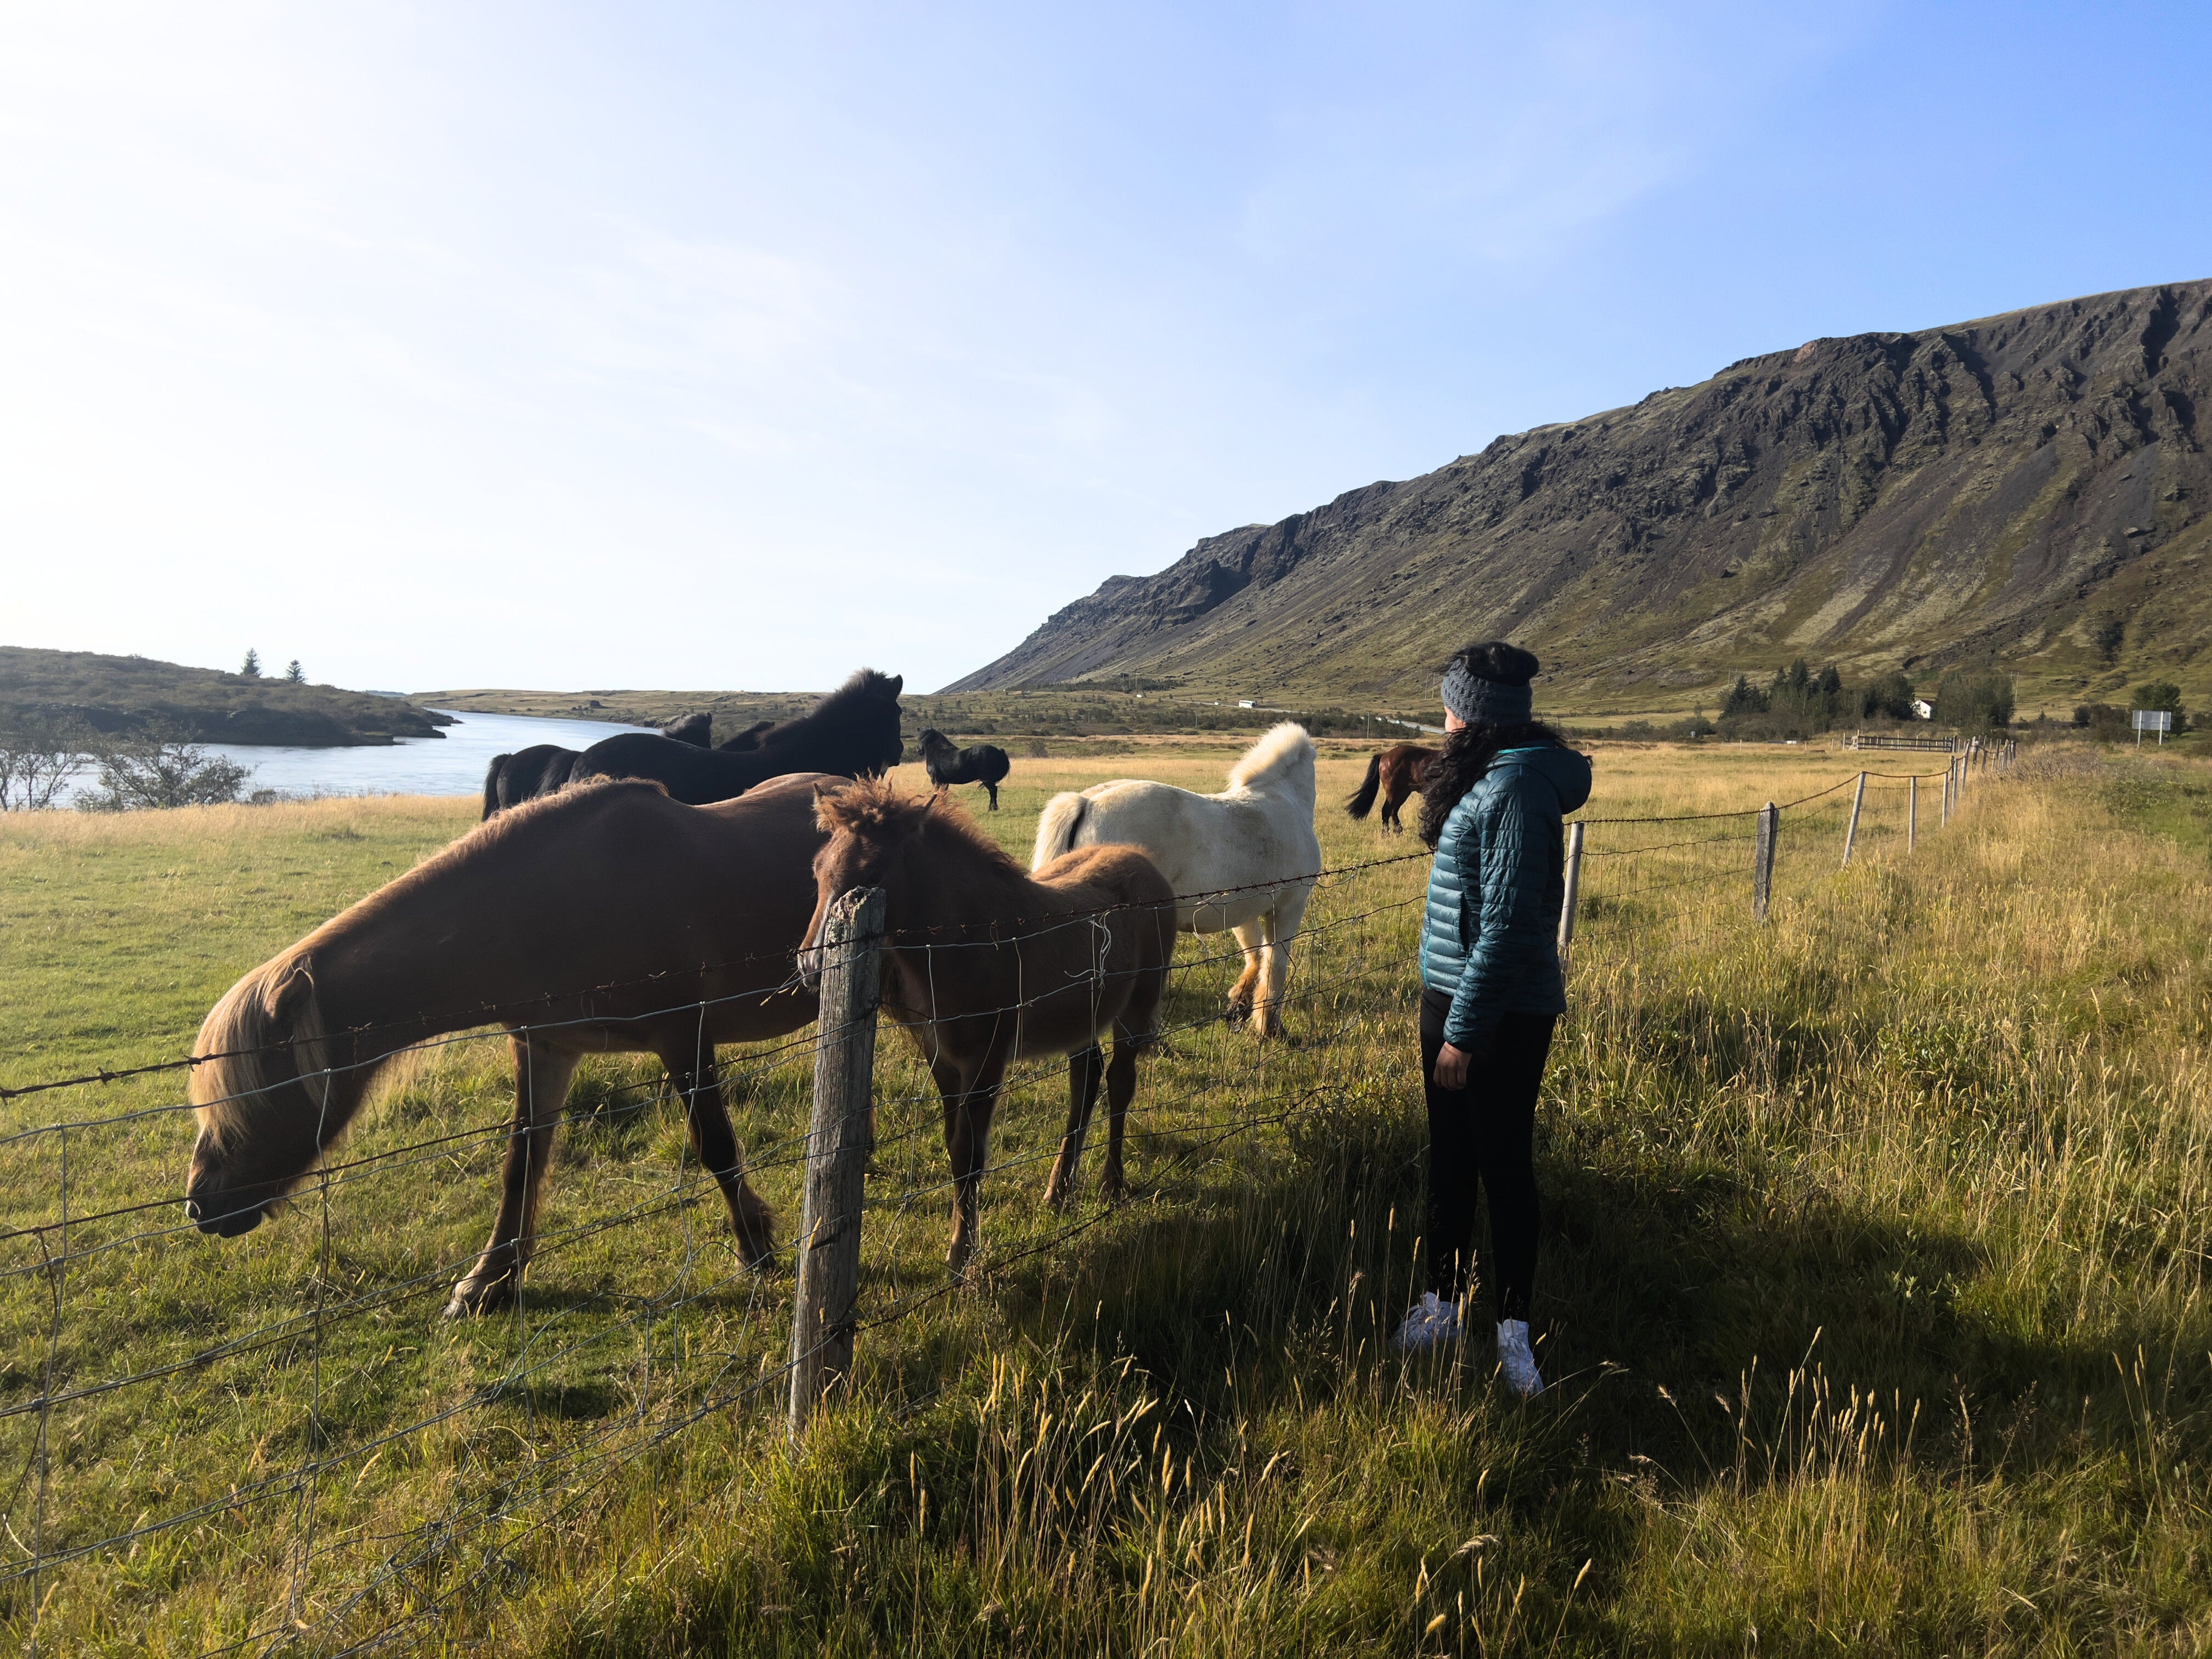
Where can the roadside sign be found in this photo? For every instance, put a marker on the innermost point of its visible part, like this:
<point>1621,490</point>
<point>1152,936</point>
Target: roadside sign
<point>2159,721</point>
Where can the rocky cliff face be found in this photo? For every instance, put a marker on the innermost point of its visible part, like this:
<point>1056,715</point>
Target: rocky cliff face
<point>2029,488</point>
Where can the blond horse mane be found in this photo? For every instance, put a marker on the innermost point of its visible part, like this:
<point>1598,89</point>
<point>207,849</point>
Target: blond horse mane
<point>265,1038</point>
<point>1276,756</point>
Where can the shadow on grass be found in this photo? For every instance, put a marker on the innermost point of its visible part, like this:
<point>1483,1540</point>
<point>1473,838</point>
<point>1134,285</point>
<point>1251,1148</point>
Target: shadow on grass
<point>1665,1299</point>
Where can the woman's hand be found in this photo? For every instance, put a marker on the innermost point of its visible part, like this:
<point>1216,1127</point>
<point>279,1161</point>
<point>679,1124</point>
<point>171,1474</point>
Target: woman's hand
<point>1451,1067</point>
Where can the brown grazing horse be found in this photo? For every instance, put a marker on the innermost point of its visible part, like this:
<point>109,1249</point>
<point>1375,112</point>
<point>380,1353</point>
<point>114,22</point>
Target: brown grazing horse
<point>984,965</point>
<point>606,919</point>
<point>1396,771</point>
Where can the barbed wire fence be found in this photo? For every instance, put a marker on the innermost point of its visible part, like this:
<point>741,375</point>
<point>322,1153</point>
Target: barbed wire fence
<point>284,1428</point>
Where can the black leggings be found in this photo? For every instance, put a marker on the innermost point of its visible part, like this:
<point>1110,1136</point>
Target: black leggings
<point>1482,1133</point>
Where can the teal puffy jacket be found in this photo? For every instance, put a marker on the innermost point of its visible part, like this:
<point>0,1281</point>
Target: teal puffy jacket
<point>1491,938</point>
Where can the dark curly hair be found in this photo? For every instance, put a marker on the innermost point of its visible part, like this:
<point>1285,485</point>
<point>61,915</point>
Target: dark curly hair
<point>1469,752</point>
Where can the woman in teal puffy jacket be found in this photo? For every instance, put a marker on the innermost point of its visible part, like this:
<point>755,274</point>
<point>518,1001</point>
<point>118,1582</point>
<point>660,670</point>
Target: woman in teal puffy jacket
<point>1492,804</point>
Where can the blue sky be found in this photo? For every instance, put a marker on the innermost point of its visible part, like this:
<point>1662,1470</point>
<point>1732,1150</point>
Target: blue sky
<point>573,346</point>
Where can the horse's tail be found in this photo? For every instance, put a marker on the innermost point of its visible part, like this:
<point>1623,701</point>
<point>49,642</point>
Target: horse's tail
<point>491,784</point>
<point>1361,801</point>
<point>1057,829</point>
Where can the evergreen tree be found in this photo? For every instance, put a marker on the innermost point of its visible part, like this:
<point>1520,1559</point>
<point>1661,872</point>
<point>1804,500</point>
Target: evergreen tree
<point>1743,698</point>
<point>252,667</point>
<point>292,672</point>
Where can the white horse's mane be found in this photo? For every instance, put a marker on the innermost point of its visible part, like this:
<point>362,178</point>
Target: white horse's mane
<point>1283,748</point>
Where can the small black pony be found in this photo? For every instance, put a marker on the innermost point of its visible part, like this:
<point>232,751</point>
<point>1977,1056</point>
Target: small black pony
<point>854,733</point>
<point>544,766</point>
<point>983,762</point>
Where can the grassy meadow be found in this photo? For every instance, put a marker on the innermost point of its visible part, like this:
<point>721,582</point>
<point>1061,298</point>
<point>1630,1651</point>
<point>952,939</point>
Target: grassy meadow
<point>1873,1301</point>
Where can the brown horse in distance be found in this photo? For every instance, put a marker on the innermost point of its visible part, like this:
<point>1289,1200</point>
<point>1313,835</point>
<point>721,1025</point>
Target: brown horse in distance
<point>605,919</point>
<point>1396,772</point>
<point>985,963</point>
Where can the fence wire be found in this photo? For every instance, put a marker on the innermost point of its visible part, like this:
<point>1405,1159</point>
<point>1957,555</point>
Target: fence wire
<point>395,1464</point>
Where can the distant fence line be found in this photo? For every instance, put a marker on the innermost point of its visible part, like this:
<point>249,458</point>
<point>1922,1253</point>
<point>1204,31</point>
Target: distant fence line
<point>865,1160</point>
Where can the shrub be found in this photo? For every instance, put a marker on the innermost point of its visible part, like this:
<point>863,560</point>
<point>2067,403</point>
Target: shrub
<point>162,770</point>
<point>38,757</point>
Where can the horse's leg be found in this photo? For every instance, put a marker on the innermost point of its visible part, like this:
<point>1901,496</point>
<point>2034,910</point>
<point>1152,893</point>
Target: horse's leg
<point>1120,1089</point>
<point>968,1108</point>
<point>1085,1067</point>
<point>1282,923</point>
<point>993,788</point>
<point>1395,787</point>
<point>542,1076</point>
<point>1251,939</point>
<point>714,1143</point>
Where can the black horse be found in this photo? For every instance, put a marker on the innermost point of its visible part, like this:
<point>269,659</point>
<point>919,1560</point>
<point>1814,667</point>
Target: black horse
<point>544,766</point>
<point>982,762</point>
<point>854,733</point>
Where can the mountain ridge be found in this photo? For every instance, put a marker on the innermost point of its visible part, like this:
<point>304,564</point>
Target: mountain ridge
<point>2026,488</point>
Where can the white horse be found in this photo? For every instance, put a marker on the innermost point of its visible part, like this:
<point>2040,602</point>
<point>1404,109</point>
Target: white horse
<point>1244,860</point>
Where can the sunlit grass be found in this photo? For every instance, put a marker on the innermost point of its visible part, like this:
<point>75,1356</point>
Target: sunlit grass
<point>1872,1292</point>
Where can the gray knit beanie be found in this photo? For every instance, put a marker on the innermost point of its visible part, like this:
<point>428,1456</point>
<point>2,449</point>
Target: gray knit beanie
<point>1487,684</point>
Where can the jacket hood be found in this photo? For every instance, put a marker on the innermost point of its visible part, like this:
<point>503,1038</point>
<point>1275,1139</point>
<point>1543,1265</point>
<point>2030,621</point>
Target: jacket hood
<point>1567,770</point>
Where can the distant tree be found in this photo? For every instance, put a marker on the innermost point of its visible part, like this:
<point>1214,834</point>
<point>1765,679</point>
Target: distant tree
<point>1888,696</point>
<point>2107,722</point>
<point>2162,694</point>
<point>1975,698</point>
<point>1743,698</point>
<point>162,769</point>
<point>39,757</point>
<point>252,667</point>
<point>292,673</point>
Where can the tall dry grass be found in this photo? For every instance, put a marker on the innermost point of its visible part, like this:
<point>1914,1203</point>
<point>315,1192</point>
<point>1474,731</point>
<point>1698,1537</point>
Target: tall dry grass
<point>1872,1303</point>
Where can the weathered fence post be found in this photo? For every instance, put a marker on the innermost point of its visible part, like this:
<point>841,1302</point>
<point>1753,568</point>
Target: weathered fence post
<point>829,1267</point>
<point>1574,886</point>
<point>1762,869</point>
<point>1950,771</point>
<point>1911,811</point>
<point>1851,829</point>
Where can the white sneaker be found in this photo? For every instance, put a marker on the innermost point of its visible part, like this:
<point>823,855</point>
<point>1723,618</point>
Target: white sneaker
<point>1431,1321</point>
<point>1515,1359</point>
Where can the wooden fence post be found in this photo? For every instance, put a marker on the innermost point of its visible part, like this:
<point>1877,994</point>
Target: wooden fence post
<point>829,1266</point>
<point>1762,869</point>
<point>1911,811</point>
<point>1574,887</point>
<point>1851,829</point>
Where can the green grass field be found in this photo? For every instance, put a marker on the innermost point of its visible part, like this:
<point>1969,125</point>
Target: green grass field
<point>1873,1299</point>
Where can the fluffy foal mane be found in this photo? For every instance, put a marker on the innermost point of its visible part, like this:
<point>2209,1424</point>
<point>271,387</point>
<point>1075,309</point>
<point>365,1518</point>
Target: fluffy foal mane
<point>1278,751</point>
<point>874,809</point>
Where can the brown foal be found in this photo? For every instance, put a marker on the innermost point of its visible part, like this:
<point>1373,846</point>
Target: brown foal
<point>985,963</point>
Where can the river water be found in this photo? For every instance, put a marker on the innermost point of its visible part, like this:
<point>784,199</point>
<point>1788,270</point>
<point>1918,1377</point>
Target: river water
<point>451,765</point>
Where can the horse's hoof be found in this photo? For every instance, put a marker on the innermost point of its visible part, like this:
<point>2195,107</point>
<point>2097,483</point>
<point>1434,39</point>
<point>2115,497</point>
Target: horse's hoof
<point>473,1301</point>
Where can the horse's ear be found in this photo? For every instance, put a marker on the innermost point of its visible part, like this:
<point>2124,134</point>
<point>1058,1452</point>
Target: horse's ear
<point>898,683</point>
<point>282,997</point>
